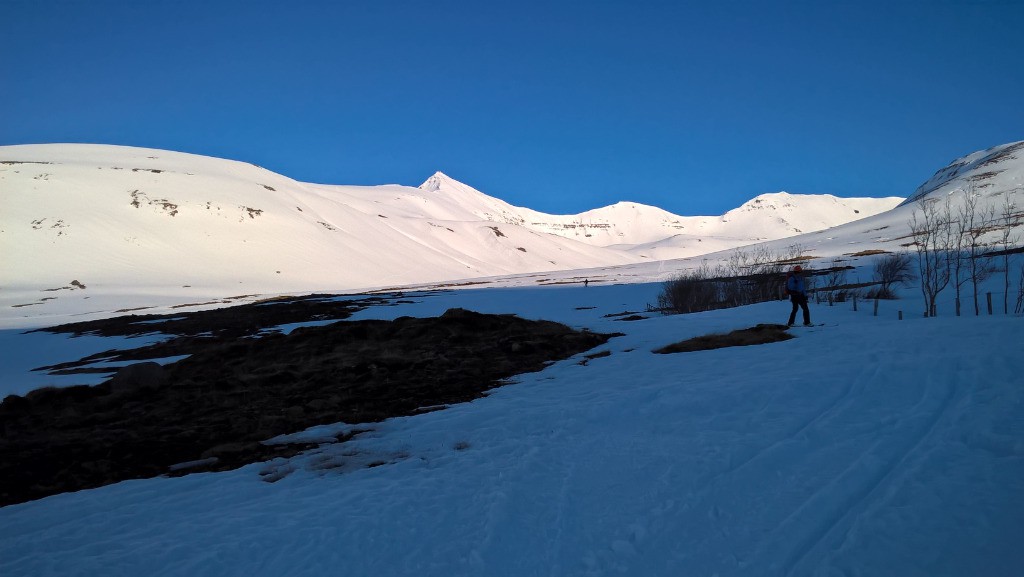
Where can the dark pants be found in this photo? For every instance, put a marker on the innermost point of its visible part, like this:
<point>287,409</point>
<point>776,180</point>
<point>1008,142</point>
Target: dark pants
<point>799,301</point>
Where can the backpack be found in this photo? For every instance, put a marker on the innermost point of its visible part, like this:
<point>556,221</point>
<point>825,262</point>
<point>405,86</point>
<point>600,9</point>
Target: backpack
<point>789,275</point>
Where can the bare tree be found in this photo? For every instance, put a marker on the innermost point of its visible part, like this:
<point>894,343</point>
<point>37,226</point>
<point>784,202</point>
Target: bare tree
<point>1020,294</point>
<point>932,240</point>
<point>978,223</point>
<point>1008,219</point>
<point>960,232</point>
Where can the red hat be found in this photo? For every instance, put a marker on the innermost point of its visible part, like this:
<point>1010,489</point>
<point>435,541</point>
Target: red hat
<point>797,268</point>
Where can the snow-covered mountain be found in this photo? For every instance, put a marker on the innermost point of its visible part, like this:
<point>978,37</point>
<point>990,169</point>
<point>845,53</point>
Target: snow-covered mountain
<point>108,215</point>
<point>995,176</point>
<point>142,219</point>
<point>990,173</point>
<point>651,232</point>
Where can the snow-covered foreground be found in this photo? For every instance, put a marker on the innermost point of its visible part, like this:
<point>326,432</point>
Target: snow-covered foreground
<point>869,446</point>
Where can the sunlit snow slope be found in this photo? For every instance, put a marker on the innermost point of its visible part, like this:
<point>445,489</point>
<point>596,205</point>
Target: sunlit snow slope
<point>994,176</point>
<point>110,216</point>
<point>654,233</point>
<point>106,215</point>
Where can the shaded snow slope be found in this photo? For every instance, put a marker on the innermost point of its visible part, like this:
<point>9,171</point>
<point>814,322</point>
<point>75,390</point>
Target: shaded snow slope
<point>869,446</point>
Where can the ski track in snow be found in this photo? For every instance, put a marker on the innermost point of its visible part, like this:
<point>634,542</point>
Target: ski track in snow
<point>869,447</point>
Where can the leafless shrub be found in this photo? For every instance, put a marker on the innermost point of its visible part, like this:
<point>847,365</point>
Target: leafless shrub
<point>891,270</point>
<point>833,284</point>
<point>691,292</point>
<point>748,276</point>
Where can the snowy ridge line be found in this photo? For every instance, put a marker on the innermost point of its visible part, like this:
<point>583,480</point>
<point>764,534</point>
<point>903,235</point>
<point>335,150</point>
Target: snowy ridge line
<point>977,164</point>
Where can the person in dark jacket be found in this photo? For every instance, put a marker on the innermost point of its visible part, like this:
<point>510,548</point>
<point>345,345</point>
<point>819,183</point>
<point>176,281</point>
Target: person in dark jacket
<point>797,291</point>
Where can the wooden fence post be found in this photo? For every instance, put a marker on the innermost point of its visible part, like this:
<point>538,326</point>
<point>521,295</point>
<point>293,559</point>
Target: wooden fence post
<point>989,296</point>
<point>876,308</point>
<point>901,315</point>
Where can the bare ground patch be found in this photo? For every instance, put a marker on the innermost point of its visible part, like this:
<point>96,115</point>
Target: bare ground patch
<point>758,335</point>
<point>242,385</point>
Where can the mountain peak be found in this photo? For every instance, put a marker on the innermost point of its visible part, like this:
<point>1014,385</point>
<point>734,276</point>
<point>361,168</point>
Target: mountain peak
<point>437,181</point>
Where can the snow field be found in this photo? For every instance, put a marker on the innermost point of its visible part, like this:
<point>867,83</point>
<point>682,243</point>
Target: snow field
<point>869,446</point>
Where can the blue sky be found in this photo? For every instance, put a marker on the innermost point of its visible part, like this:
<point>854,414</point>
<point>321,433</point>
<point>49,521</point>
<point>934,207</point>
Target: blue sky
<point>695,107</point>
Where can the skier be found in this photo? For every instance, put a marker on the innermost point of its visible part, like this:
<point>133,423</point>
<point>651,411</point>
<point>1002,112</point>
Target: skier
<point>797,291</point>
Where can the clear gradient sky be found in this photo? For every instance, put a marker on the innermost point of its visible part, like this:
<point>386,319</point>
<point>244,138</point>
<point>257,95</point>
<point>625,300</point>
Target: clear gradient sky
<point>559,106</point>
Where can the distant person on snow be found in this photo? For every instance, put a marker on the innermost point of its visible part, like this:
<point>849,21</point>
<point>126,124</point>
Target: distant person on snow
<point>797,291</point>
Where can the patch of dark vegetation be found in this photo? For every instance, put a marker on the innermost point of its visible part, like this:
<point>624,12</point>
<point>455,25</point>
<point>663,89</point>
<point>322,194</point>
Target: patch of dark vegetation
<point>985,175</point>
<point>459,284</point>
<point>622,314</point>
<point>570,281</point>
<point>869,252</point>
<point>240,387</point>
<point>223,323</point>
<point>798,259</point>
<point>138,197</point>
<point>631,318</point>
<point>1009,251</point>
<point>74,284</point>
<point>758,335</point>
<point>497,231</point>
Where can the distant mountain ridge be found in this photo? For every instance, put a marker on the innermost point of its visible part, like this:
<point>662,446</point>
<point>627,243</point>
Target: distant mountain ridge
<point>639,229</point>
